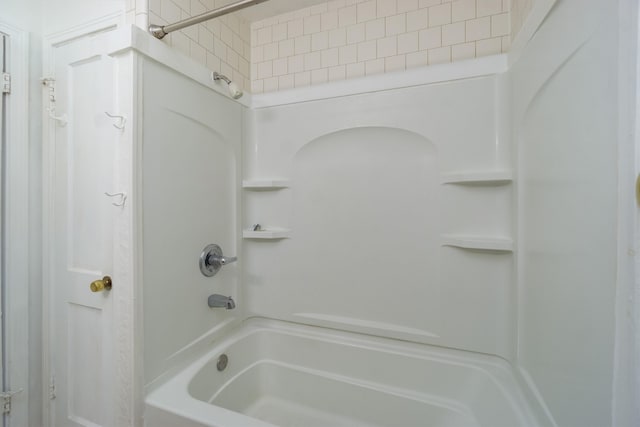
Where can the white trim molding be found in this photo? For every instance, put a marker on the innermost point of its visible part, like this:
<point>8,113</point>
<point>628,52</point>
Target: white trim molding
<point>16,224</point>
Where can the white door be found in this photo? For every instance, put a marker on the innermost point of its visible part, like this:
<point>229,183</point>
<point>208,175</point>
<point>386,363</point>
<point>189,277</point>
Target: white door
<point>80,334</point>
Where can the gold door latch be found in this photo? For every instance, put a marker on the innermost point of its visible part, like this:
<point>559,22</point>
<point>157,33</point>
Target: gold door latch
<point>101,285</point>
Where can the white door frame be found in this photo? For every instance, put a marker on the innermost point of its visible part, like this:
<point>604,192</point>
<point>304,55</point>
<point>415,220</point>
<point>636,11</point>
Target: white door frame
<point>16,225</point>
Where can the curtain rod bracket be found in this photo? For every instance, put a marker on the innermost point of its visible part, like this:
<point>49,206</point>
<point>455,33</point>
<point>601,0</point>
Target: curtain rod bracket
<point>157,31</point>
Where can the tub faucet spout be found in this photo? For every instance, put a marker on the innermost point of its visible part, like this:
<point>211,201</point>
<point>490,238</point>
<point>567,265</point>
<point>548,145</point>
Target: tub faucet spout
<point>220,301</point>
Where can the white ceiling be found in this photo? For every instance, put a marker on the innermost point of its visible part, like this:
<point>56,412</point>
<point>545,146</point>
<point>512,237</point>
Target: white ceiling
<point>274,7</point>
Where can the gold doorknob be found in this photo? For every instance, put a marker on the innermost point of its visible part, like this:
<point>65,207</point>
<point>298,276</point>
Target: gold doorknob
<point>101,285</point>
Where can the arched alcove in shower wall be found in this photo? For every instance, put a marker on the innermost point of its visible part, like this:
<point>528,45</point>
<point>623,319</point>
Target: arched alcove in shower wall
<point>365,231</point>
<point>392,213</point>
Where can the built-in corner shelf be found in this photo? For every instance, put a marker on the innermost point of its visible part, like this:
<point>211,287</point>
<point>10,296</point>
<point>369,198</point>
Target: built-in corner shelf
<point>267,234</point>
<point>496,244</point>
<point>265,184</point>
<point>477,178</point>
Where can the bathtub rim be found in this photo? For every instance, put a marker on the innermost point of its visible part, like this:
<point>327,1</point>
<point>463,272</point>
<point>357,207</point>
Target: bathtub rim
<point>170,392</point>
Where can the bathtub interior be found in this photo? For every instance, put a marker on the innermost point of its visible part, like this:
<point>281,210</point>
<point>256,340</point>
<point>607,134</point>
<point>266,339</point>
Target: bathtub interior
<point>288,374</point>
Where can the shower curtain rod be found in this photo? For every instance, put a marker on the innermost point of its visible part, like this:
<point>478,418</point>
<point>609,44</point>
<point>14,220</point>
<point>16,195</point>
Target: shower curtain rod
<point>160,31</point>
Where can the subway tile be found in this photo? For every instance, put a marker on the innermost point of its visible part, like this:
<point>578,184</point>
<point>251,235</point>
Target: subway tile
<point>243,66</point>
<point>355,33</point>
<point>406,5</point>
<point>386,8</point>
<point>295,64</point>
<point>319,41</point>
<point>279,32</point>
<point>213,62</point>
<point>257,86</point>
<point>280,67</point>
<point>263,35</point>
<point>463,51</point>
<point>453,34</point>
<point>329,21</point>
<point>337,37</point>
<point>312,61</point>
<point>286,82</point>
<point>318,9</point>
<point>355,70</point>
<point>271,84</point>
<point>285,17</point>
<point>488,7</point>
<point>367,51</point>
<point>396,24</point>
<point>430,38</point>
<point>219,48</point>
<point>265,69</point>
<point>197,52</point>
<point>347,16</point>
<point>462,10</point>
<point>375,66</point>
<point>408,42</point>
<point>418,19</point>
<point>205,37</point>
<point>312,24</point>
<point>330,57</point>
<point>286,48</point>
<point>348,54</point>
<point>416,59</point>
<point>387,46</point>
<point>439,55</point>
<point>428,3</point>
<point>271,51</point>
<point>337,73</point>
<point>440,15</point>
<point>500,25</point>
<point>319,76</point>
<point>238,45</point>
<point>336,4</point>
<point>301,13</point>
<point>302,44</point>
<point>232,59</point>
<point>488,47</point>
<point>302,79</point>
<point>257,54</point>
<point>375,29</point>
<point>394,63</point>
<point>478,29</point>
<point>506,44</point>
<point>295,28</point>
<point>366,11</point>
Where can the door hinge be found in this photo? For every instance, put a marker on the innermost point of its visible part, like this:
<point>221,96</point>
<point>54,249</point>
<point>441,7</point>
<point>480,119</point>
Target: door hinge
<point>52,388</point>
<point>6,400</point>
<point>6,83</point>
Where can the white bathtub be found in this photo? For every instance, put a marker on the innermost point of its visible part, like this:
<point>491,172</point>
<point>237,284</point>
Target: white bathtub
<point>293,375</point>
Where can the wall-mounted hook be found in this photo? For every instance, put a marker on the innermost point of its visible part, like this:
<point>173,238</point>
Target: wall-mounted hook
<point>62,120</point>
<point>123,198</point>
<point>120,124</point>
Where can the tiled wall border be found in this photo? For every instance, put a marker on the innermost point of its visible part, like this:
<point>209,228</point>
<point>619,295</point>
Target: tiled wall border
<point>343,39</point>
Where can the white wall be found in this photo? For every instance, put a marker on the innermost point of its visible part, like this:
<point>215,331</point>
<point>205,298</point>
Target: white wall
<point>190,171</point>
<point>565,126</point>
<point>369,213</point>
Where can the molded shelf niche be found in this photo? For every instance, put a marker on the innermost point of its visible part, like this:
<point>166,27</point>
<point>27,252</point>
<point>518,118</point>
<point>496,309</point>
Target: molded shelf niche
<point>267,234</point>
<point>265,184</point>
<point>477,178</point>
<point>495,244</point>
